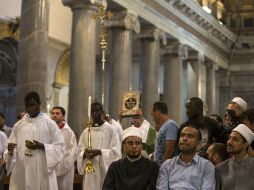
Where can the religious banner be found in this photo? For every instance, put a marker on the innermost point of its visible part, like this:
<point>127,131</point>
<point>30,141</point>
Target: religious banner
<point>130,103</point>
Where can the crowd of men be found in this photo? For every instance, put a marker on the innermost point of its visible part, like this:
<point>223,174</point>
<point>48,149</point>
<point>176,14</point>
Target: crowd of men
<point>39,152</point>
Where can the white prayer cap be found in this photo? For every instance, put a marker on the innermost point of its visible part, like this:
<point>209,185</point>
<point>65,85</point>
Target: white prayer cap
<point>240,102</point>
<point>131,131</point>
<point>245,132</point>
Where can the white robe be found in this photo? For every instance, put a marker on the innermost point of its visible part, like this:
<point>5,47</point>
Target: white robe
<point>38,171</point>
<point>105,139</point>
<point>118,128</point>
<point>65,169</point>
<point>144,130</point>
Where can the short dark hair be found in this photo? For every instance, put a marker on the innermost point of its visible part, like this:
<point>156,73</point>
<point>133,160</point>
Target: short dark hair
<point>161,107</point>
<point>195,126</point>
<point>218,118</point>
<point>197,101</point>
<point>97,104</point>
<point>32,95</point>
<point>60,108</point>
<point>2,115</point>
<point>221,150</point>
<point>247,114</point>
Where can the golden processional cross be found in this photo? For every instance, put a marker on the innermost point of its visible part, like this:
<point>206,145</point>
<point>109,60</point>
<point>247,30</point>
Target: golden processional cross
<point>102,15</point>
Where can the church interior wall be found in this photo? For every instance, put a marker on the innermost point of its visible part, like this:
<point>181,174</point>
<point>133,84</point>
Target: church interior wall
<point>60,24</point>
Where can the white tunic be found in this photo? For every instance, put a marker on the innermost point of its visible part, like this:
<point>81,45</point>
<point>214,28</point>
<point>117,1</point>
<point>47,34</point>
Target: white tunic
<point>65,169</point>
<point>38,171</point>
<point>144,130</point>
<point>105,139</point>
<point>3,139</point>
<point>118,128</point>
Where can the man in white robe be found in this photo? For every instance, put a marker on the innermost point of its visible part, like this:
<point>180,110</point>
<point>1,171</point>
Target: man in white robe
<point>65,169</point>
<point>105,149</point>
<point>35,147</point>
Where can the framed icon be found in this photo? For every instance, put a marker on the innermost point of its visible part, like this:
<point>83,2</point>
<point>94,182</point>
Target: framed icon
<point>130,103</point>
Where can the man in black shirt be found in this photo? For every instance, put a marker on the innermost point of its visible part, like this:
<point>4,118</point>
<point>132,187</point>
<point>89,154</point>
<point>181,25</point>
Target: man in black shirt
<point>134,171</point>
<point>210,130</point>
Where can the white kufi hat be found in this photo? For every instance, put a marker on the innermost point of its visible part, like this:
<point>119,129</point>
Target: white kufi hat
<point>240,102</point>
<point>131,131</point>
<point>245,132</point>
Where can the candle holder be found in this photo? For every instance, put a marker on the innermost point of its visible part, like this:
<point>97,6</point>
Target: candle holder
<point>28,151</point>
<point>89,165</point>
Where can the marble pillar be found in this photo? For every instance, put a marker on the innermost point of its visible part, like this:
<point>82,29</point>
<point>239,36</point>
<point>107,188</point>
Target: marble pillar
<point>224,89</point>
<point>196,76</point>
<point>150,67</point>
<point>33,51</point>
<point>211,88</point>
<point>122,25</point>
<point>82,63</point>
<point>173,82</point>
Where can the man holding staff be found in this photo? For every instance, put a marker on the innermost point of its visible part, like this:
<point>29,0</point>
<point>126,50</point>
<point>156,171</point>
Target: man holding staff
<point>105,149</point>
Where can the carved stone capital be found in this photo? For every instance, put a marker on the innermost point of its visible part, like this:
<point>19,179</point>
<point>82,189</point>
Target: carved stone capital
<point>211,65</point>
<point>74,4</point>
<point>153,33</point>
<point>125,20</point>
<point>176,48</point>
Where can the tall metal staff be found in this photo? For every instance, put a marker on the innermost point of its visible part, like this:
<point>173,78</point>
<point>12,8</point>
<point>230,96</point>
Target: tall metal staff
<point>102,15</point>
<point>103,45</point>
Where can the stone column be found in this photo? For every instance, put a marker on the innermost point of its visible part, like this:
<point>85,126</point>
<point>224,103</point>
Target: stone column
<point>82,66</point>
<point>150,67</point>
<point>173,81</point>
<point>33,51</point>
<point>196,76</point>
<point>224,89</point>
<point>211,89</point>
<point>122,24</point>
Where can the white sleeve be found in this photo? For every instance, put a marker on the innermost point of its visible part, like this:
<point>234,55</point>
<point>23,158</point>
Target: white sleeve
<point>54,151</point>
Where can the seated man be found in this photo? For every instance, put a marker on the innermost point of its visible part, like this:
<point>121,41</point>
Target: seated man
<point>237,172</point>
<point>188,170</point>
<point>217,153</point>
<point>134,171</point>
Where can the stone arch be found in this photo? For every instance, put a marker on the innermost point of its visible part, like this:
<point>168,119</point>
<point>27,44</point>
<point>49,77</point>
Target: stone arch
<point>8,75</point>
<point>62,70</point>
<point>61,81</point>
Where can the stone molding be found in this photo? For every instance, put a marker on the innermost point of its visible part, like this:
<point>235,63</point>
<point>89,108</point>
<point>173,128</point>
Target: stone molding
<point>125,20</point>
<point>161,20</point>
<point>153,33</point>
<point>91,4</point>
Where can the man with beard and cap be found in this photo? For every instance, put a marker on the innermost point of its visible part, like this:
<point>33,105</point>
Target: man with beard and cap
<point>209,128</point>
<point>247,118</point>
<point>134,171</point>
<point>35,147</point>
<point>65,169</point>
<point>237,171</point>
<point>238,105</point>
<point>235,107</point>
<point>188,170</point>
<point>105,149</point>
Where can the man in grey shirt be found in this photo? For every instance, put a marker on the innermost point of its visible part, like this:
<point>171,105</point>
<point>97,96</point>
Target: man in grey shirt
<point>237,172</point>
<point>188,170</point>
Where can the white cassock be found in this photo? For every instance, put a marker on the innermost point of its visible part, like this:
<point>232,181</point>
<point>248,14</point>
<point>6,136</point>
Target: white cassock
<point>144,130</point>
<point>105,139</point>
<point>118,128</point>
<point>36,172</point>
<point>65,169</point>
